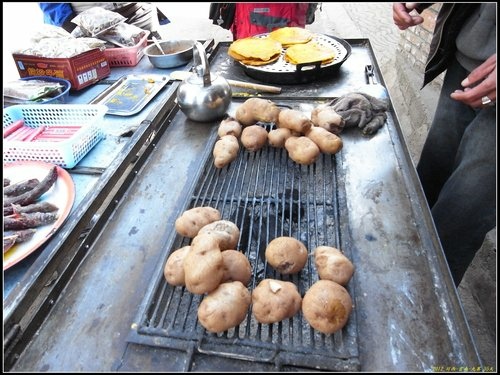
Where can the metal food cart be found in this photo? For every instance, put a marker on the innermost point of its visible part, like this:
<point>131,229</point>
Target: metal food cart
<point>94,297</point>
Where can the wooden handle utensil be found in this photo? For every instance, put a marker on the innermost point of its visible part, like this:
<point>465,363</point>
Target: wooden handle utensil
<point>180,75</point>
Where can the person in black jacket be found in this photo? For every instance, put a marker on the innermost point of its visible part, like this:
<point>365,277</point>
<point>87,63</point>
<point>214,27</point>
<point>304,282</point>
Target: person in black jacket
<point>457,167</point>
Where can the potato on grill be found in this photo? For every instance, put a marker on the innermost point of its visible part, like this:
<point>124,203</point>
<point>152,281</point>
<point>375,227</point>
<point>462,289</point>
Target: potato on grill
<point>302,150</point>
<point>255,51</point>
<point>225,150</point>
<point>327,142</point>
<point>225,307</point>
<point>275,300</point>
<point>289,36</point>
<point>254,110</point>
<point>236,267</point>
<point>203,265</point>
<point>294,120</point>
<point>253,137</point>
<point>229,126</point>
<point>333,265</point>
<point>277,137</point>
<point>225,232</point>
<point>192,220</point>
<point>286,254</point>
<point>174,267</point>
<point>327,306</point>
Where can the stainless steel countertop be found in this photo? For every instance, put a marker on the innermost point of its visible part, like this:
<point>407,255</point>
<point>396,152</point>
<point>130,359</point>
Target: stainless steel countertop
<point>408,313</point>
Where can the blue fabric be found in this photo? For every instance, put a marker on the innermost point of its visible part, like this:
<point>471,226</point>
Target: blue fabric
<point>56,13</point>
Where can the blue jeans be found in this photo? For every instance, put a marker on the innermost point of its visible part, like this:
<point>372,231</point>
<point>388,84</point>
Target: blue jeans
<point>457,170</point>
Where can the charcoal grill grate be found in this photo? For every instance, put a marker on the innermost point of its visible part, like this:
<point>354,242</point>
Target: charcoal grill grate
<point>266,195</point>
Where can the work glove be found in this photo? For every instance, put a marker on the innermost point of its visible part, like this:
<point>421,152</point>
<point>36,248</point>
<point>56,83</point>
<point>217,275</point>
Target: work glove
<point>361,110</point>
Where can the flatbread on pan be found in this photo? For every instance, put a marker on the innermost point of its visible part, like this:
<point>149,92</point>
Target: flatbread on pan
<point>259,62</point>
<point>308,53</point>
<point>257,51</point>
<point>289,36</point>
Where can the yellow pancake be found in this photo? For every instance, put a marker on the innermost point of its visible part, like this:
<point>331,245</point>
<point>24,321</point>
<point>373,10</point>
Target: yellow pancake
<point>261,49</point>
<point>308,53</point>
<point>289,36</point>
<point>259,62</point>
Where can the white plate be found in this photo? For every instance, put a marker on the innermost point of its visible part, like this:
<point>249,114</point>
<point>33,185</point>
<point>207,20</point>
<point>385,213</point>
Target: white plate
<point>61,194</point>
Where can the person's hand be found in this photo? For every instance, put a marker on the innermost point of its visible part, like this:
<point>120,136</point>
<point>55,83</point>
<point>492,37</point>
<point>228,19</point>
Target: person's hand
<point>480,84</point>
<point>402,17</point>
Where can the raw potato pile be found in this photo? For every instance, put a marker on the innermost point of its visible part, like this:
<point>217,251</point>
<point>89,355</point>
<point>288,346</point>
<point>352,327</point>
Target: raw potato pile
<point>211,266</point>
<point>303,138</point>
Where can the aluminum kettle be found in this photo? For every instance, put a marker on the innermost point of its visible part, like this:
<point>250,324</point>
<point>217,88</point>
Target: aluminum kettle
<point>203,96</point>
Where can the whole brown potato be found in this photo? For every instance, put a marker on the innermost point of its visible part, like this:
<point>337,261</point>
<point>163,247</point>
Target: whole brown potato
<point>325,117</point>
<point>174,267</point>
<point>327,142</point>
<point>275,300</point>
<point>302,150</point>
<point>192,220</point>
<point>254,110</point>
<point>327,306</point>
<point>203,265</point>
<point>277,137</point>
<point>229,126</point>
<point>333,265</point>
<point>236,267</point>
<point>286,254</point>
<point>254,137</point>
<point>225,150</point>
<point>226,232</point>
<point>294,120</point>
<point>225,307</point>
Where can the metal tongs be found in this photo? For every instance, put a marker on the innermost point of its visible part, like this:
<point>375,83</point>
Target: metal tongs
<point>370,75</point>
<point>373,87</point>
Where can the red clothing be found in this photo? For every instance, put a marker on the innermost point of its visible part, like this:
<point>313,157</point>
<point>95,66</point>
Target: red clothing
<point>258,18</point>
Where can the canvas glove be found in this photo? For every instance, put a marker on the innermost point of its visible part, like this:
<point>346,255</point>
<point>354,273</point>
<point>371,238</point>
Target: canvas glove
<point>361,110</point>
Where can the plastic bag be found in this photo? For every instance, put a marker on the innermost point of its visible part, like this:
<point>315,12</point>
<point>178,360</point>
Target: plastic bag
<point>124,35</point>
<point>48,31</point>
<point>31,90</point>
<point>96,20</point>
<point>61,47</point>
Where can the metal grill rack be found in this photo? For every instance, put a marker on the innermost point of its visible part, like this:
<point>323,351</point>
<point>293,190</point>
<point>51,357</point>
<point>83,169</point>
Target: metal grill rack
<point>266,195</point>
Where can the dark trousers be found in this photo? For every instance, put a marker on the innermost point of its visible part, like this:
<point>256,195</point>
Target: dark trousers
<point>457,170</point>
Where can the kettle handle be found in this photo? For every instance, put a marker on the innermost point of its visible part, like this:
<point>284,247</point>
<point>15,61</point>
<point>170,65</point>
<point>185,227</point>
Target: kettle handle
<point>201,63</point>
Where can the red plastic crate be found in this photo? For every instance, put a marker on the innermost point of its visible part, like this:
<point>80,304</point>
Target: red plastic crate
<point>82,70</point>
<point>126,56</point>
